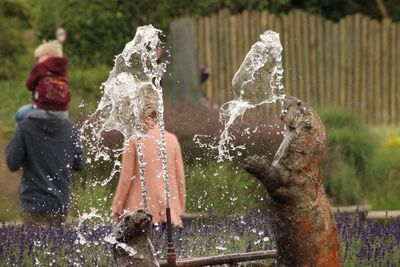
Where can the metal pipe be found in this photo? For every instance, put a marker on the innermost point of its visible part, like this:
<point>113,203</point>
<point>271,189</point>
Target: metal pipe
<point>171,256</point>
<point>215,260</point>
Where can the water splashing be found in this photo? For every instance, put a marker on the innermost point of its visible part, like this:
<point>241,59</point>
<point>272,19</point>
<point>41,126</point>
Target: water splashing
<point>84,217</point>
<point>134,71</point>
<point>257,82</point>
<point>121,107</point>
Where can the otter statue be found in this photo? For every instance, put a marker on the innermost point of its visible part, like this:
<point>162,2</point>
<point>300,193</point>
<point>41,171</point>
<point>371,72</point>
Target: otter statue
<point>134,248</point>
<point>301,216</point>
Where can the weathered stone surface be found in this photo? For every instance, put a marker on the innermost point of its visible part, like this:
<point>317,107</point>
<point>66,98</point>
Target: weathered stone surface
<point>133,230</point>
<point>301,215</point>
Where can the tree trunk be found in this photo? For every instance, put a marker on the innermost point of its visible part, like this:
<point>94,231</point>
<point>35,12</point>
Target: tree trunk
<point>301,215</point>
<point>181,82</point>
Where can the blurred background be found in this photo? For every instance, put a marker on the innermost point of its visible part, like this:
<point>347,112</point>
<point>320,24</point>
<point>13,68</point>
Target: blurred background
<point>341,57</point>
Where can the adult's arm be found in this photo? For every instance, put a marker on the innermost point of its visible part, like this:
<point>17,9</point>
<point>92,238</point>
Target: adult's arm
<point>125,180</point>
<point>15,151</point>
<point>180,174</point>
<point>78,162</point>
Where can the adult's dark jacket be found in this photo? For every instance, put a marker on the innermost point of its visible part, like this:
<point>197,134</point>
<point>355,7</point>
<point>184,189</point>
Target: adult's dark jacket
<point>48,151</point>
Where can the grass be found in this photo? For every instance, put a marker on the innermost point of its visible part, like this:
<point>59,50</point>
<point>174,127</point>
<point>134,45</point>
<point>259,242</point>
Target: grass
<point>217,188</point>
<point>15,95</point>
<point>9,208</point>
<point>223,188</point>
<point>9,182</point>
<point>85,198</point>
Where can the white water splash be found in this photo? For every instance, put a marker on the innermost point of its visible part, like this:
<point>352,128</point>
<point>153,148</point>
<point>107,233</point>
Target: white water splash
<point>135,69</point>
<point>257,82</point>
<point>82,218</point>
<point>221,248</point>
<point>121,107</point>
<point>111,240</point>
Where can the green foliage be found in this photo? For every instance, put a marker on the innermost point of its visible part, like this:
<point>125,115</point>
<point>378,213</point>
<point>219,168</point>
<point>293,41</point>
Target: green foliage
<point>344,188</point>
<point>348,138</point>
<point>223,189</point>
<point>334,117</point>
<point>354,145</point>
<point>358,164</point>
<point>208,7</point>
<point>350,147</point>
<point>16,95</point>
<point>18,11</point>
<point>103,27</point>
<point>85,86</point>
<point>93,190</point>
<point>15,20</point>
<point>384,179</point>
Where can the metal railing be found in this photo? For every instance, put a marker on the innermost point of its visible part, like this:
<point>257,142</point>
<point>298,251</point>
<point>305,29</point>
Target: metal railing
<point>231,259</point>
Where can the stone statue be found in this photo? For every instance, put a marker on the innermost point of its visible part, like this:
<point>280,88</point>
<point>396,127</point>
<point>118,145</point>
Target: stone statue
<point>301,215</point>
<point>134,248</point>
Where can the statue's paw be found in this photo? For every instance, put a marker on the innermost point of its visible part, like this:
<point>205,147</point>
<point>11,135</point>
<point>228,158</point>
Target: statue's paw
<point>256,165</point>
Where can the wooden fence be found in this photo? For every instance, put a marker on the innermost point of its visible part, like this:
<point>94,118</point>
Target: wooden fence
<point>353,63</point>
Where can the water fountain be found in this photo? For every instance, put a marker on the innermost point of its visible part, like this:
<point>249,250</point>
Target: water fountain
<point>257,82</point>
<point>135,70</point>
<point>302,218</point>
<point>121,106</point>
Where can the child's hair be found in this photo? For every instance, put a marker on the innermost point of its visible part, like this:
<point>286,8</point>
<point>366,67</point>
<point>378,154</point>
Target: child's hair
<point>51,48</point>
<point>150,99</point>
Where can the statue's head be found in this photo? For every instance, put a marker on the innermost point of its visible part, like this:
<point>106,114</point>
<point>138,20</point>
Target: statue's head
<point>295,114</point>
<point>301,118</point>
<point>133,224</point>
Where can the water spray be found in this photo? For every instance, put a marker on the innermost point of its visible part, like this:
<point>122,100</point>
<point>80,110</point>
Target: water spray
<point>121,107</point>
<point>257,82</point>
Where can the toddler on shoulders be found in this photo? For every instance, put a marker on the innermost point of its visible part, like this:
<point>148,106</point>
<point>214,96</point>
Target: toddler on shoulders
<point>48,82</point>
